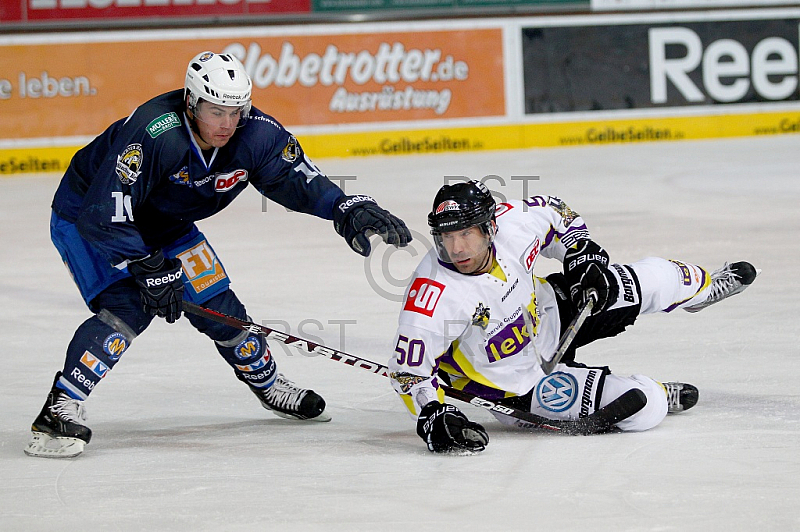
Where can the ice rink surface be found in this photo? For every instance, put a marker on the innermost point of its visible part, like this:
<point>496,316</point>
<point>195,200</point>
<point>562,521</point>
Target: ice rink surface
<point>180,444</point>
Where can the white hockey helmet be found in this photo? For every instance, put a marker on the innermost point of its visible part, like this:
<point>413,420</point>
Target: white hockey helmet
<point>219,79</point>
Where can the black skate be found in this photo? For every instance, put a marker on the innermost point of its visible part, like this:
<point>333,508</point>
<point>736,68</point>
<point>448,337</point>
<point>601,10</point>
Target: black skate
<point>58,431</point>
<point>287,400</point>
<point>727,281</point>
<point>680,396</point>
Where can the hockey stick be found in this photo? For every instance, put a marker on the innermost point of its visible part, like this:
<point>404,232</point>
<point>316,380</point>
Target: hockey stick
<point>569,335</point>
<point>599,421</point>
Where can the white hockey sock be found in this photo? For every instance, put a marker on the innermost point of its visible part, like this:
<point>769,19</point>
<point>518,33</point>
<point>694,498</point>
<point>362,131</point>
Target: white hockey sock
<point>670,284</point>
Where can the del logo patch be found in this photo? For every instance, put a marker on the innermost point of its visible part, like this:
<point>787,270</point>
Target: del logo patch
<point>528,258</point>
<point>225,182</point>
<point>201,266</point>
<point>423,296</point>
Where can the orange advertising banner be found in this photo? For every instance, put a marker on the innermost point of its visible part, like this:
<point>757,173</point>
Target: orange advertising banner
<point>79,88</point>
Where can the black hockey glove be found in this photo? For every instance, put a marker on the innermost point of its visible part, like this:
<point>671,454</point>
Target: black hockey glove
<point>586,271</point>
<point>161,285</point>
<point>357,218</point>
<point>445,429</point>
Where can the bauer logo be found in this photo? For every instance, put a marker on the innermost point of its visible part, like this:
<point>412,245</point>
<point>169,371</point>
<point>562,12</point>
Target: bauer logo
<point>201,266</point>
<point>423,296</point>
<point>163,123</point>
<point>557,392</point>
<point>114,345</point>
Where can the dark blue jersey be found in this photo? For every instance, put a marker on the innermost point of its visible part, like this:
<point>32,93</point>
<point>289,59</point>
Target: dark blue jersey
<point>144,181</point>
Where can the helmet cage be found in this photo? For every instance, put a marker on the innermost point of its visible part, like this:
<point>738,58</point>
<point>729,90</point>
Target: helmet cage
<point>219,79</point>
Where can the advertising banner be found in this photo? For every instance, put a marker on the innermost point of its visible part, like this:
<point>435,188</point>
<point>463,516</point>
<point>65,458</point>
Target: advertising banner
<point>383,5</point>
<point>99,10</point>
<point>78,88</point>
<point>619,5</point>
<point>659,65</point>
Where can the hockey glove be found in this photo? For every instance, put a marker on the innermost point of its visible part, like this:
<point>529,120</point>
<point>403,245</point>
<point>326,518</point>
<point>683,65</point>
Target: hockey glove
<point>160,284</point>
<point>586,271</point>
<point>356,218</point>
<point>445,429</point>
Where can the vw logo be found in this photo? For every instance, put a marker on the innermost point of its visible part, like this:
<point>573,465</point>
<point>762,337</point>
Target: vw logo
<point>557,392</point>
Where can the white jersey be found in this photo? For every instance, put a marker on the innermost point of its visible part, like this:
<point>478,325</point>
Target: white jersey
<point>486,329</point>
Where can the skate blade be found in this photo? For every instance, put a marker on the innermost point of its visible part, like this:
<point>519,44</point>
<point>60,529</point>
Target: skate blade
<point>323,417</point>
<point>45,446</point>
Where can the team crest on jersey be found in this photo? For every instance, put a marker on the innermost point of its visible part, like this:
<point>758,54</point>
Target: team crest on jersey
<point>480,318</point>
<point>406,381</point>
<point>114,345</point>
<point>423,296</point>
<point>249,347</point>
<point>182,177</point>
<point>129,164</point>
<point>557,392</point>
<point>291,151</point>
<point>567,214</point>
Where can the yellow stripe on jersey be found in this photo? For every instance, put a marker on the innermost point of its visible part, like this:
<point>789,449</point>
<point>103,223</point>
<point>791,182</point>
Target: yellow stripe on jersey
<point>409,402</point>
<point>468,370</point>
<point>706,283</point>
<point>497,271</point>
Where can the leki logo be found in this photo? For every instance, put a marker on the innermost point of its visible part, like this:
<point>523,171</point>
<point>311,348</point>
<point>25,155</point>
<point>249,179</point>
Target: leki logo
<point>423,296</point>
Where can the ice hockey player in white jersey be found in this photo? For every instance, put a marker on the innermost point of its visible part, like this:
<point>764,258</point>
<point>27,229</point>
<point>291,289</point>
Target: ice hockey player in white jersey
<point>477,318</point>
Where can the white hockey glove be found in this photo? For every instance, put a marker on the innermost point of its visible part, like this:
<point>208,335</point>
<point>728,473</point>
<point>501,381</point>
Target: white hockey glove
<point>445,429</point>
<point>586,271</point>
<point>356,218</point>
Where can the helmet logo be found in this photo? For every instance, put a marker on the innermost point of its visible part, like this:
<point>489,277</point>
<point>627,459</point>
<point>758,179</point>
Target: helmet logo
<point>446,206</point>
<point>205,57</point>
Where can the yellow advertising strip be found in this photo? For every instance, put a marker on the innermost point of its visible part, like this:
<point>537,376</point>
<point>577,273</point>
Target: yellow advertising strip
<point>553,134</point>
<point>35,160</point>
<point>514,136</point>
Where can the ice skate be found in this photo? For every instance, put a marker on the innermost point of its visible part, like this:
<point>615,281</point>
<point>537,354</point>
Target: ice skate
<point>680,396</point>
<point>59,431</point>
<point>287,400</point>
<point>727,281</point>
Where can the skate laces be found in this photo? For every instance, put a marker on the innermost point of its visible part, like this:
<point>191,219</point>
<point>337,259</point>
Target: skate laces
<point>673,395</point>
<point>69,409</point>
<point>723,282</point>
<point>284,395</point>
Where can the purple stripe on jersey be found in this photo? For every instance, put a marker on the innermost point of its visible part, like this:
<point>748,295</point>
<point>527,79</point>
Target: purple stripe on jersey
<point>509,341</point>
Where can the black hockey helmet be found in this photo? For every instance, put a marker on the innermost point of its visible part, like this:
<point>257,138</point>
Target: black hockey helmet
<point>458,207</point>
<point>461,206</point>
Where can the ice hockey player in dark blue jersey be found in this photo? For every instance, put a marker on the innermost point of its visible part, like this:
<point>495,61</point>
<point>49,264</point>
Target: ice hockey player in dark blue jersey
<point>123,221</point>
